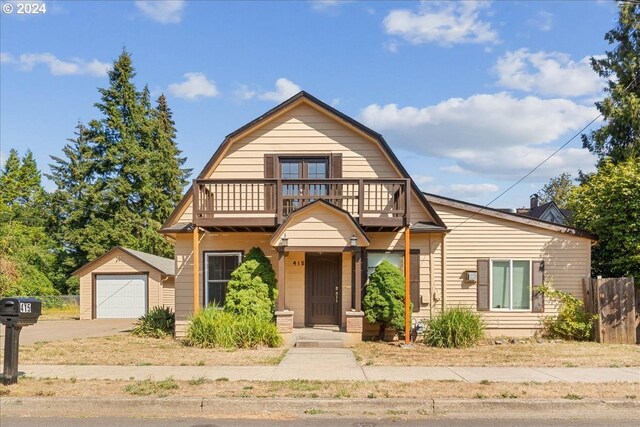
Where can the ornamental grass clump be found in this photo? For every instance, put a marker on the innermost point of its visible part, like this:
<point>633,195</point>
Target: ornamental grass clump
<point>157,323</point>
<point>457,327</point>
<point>212,327</point>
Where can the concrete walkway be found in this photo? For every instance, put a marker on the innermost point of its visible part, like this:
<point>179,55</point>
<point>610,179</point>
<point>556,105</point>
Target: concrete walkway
<point>333,364</point>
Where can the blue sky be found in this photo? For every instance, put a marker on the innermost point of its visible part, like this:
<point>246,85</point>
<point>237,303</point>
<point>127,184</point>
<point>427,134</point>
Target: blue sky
<point>470,95</point>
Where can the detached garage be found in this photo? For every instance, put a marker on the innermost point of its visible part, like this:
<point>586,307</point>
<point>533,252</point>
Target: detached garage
<point>125,284</point>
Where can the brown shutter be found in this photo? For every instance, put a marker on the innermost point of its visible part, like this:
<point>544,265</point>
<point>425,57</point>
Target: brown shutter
<point>269,173</point>
<point>483,284</point>
<point>537,299</point>
<point>415,280</point>
<point>336,165</point>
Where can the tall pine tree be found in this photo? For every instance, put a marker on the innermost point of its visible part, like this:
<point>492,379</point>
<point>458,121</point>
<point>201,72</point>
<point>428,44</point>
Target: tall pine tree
<point>619,138</point>
<point>122,175</point>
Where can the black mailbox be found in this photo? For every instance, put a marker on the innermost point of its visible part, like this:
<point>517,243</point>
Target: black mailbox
<point>20,311</point>
<point>14,314</point>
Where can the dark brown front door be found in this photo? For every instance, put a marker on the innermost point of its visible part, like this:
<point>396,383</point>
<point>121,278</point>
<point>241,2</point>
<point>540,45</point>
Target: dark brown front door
<point>322,289</point>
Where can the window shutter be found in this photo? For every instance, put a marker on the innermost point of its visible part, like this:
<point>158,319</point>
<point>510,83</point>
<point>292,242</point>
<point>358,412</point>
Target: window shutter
<point>415,281</point>
<point>537,299</point>
<point>336,165</point>
<point>483,284</point>
<point>269,173</point>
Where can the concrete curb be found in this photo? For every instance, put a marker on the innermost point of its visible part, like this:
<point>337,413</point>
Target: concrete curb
<point>270,408</point>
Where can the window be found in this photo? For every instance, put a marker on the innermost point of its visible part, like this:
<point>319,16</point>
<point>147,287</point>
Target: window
<point>299,194</point>
<point>511,284</point>
<point>218,269</point>
<point>375,258</point>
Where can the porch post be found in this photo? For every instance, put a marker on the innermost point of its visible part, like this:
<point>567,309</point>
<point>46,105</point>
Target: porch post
<point>358,279</point>
<point>407,284</point>
<point>280,303</point>
<point>196,267</point>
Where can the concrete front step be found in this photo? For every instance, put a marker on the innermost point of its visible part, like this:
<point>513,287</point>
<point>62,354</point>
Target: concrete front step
<point>319,343</point>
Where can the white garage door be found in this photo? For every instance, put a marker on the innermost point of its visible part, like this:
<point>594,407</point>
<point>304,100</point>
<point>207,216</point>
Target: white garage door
<point>120,296</point>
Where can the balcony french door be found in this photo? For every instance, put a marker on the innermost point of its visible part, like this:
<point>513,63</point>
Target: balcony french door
<point>295,195</point>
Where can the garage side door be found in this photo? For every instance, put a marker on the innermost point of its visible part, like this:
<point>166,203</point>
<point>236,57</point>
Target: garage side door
<point>120,296</point>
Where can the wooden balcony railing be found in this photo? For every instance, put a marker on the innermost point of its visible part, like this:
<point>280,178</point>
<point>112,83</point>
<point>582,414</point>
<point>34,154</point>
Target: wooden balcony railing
<point>267,202</point>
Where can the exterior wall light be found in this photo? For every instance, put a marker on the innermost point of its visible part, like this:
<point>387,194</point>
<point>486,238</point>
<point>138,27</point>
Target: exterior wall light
<point>354,241</point>
<point>284,241</point>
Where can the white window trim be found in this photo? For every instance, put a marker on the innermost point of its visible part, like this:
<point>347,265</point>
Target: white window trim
<point>207,255</point>
<point>510,309</point>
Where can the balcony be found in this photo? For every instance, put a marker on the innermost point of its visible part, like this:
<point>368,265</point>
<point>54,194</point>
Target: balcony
<point>265,203</point>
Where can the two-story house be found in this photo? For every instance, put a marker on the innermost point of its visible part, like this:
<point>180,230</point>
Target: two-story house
<point>327,200</point>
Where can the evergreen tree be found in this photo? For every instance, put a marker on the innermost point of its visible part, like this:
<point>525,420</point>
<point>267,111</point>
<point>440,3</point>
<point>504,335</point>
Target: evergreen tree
<point>26,248</point>
<point>383,300</point>
<point>619,138</point>
<point>121,177</point>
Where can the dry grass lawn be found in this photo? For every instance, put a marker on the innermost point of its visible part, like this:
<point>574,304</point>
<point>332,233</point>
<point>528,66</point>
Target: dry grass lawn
<point>130,350</point>
<point>530,354</point>
<point>199,387</point>
<point>66,312</point>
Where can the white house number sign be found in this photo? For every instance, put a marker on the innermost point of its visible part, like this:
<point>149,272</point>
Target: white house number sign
<point>25,307</point>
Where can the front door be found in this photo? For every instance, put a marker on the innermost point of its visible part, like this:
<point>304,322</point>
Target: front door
<point>322,289</point>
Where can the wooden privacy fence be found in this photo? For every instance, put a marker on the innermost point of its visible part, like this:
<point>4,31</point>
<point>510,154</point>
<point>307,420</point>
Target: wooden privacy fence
<point>614,301</point>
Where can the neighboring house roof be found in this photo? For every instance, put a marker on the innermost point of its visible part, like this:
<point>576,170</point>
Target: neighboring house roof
<point>164,265</point>
<point>548,211</point>
<point>497,213</point>
<point>289,102</point>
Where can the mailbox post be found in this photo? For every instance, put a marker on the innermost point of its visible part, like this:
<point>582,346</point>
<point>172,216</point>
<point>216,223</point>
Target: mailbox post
<point>14,314</point>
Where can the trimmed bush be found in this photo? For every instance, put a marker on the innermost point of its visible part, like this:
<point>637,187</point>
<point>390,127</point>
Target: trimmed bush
<point>157,323</point>
<point>455,328</point>
<point>212,327</point>
<point>247,293</point>
<point>572,321</point>
<point>383,300</point>
<point>265,271</point>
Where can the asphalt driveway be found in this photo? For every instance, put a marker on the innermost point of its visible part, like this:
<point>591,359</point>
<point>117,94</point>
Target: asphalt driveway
<point>68,330</point>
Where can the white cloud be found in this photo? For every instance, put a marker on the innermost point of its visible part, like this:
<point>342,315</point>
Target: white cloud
<point>163,11</point>
<point>194,86</point>
<point>421,180</point>
<point>243,92</point>
<point>471,190</point>
<point>444,23</point>
<point>452,169</point>
<point>285,89</point>
<point>6,58</point>
<point>543,21</point>
<point>492,134</point>
<point>327,5</point>
<point>57,67</point>
<point>547,73</point>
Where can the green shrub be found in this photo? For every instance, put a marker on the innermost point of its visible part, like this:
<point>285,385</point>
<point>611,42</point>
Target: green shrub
<point>265,271</point>
<point>455,328</point>
<point>157,323</point>
<point>247,293</point>
<point>212,327</point>
<point>572,321</point>
<point>383,301</point>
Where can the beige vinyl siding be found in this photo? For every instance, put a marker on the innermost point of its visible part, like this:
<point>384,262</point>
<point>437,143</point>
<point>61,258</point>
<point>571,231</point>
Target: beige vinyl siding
<point>210,242</point>
<point>320,226</point>
<point>169,293</point>
<point>567,260</point>
<point>119,262</point>
<point>294,279</point>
